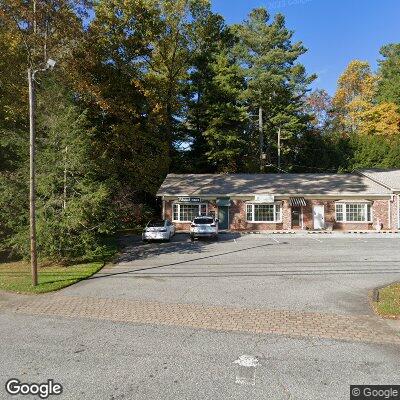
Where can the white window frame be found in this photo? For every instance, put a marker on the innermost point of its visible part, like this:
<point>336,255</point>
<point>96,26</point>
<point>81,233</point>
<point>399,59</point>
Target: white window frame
<point>344,212</point>
<point>200,205</point>
<point>275,221</point>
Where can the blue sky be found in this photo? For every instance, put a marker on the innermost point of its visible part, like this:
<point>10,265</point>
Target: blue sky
<point>334,31</point>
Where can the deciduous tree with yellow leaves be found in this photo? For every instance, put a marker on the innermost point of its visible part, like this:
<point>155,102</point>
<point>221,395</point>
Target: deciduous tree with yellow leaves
<point>355,103</point>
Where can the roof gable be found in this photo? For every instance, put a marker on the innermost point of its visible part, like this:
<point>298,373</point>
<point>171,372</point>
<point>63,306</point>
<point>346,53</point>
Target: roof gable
<point>387,177</point>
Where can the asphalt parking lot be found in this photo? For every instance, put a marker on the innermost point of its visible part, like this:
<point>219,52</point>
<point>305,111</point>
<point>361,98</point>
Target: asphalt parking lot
<point>313,272</point>
<point>169,320</point>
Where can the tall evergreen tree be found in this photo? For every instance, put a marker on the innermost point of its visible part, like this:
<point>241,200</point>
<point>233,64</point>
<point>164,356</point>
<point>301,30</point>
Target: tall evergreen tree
<point>208,35</point>
<point>389,74</point>
<point>226,132</point>
<point>216,116</point>
<point>276,82</point>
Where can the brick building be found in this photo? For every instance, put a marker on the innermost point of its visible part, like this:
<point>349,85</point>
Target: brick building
<point>364,200</point>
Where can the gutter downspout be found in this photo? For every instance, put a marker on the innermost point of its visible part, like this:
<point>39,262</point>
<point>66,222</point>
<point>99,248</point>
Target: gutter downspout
<point>398,211</point>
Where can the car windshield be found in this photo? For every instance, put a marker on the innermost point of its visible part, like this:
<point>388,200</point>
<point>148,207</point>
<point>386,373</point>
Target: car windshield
<point>156,224</point>
<point>203,220</point>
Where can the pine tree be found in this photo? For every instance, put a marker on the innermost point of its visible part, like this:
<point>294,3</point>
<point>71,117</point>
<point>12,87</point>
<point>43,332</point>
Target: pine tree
<point>276,82</point>
<point>389,74</point>
<point>226,131</point>
<point>74,208</point>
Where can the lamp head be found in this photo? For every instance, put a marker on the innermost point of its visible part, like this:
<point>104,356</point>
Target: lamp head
<point>50,63</point>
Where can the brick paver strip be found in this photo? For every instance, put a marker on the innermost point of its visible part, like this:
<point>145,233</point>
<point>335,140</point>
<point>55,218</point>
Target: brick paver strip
<point>363,328</point>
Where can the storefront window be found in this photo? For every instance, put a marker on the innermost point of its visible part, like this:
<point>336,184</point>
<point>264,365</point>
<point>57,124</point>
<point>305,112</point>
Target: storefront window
<point>270,212</point>
<point>353,212</point>
<point>187,212</point>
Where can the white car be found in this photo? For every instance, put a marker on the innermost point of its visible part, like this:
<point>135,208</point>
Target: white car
<point>204,227</point>
<point>162,229</point>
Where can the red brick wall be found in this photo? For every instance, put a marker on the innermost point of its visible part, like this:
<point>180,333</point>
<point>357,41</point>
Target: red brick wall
<point>237,216</point>
<point>380,213</point>
<point>286,215</point>
<point>395,212</point>
<point>329,208</point>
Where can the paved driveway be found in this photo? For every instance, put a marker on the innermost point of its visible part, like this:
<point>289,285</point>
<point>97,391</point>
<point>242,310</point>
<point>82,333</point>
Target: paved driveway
<point>169,320</point>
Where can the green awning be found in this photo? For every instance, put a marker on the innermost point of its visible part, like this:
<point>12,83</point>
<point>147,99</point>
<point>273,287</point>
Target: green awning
<point>223,202</point>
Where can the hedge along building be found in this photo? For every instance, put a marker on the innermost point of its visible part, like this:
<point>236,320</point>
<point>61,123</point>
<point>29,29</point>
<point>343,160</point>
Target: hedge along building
<point>260,202</point>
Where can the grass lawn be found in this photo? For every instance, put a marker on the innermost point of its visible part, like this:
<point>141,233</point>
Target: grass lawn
<point>388,304</point>
<point>16,276</point>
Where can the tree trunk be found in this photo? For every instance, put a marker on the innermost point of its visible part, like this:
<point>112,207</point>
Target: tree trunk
<point>261,138</point>
<point>279,147</point>
<point>34,18</point>
<point>65,178</point>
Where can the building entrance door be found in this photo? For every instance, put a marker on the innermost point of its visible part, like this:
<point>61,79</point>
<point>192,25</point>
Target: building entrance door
<point>319,217</point>
<point>296,217</point>
<point>223,217</point>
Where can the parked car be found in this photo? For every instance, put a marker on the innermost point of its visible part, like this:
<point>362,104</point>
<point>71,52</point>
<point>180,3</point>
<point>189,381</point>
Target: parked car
<point>162,229</point>
<point>206,226</point>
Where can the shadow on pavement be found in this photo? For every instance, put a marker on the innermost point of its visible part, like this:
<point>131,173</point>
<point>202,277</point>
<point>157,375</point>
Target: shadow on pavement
<point>173,263</point>
<point>134,249</point>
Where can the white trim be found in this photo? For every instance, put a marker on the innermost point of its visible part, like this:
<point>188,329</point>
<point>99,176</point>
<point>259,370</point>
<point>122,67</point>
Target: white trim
<point>283,196</point>
<point>350,201</point>
<point>262,202</point>
<point>344,212</point>
<point>275,203</point>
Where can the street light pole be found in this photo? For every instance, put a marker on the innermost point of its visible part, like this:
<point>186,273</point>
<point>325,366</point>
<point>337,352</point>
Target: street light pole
<point>32,167</point>
<point>32,186</point>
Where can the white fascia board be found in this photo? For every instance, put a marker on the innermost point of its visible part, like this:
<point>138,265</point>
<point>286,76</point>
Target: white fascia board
<point>283,196</point>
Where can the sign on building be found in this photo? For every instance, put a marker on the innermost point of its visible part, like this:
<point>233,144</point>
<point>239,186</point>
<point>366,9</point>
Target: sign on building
<point>265,198</point>
<point>189,199</point>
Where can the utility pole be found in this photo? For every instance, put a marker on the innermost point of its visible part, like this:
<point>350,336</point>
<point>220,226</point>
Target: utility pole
<point>279,147</point>
<point>32,190</point>
<point>261,137</point>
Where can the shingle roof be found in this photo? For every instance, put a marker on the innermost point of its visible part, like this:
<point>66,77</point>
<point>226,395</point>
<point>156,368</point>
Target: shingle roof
<point>388,177</point>
<point>277,184</point>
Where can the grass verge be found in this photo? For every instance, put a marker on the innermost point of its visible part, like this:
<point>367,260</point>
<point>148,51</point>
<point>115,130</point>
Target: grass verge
<point>388,304</point>
<point>16,276</point>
